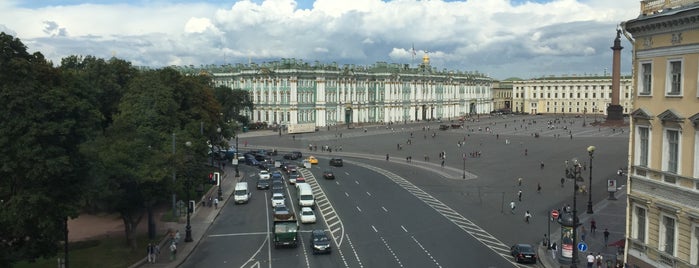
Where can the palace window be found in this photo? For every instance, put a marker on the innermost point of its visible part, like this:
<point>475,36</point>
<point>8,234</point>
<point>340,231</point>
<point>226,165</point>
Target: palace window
<point>646,79</point>
<point>694,250</point>
<point>671,150</point>
<point>667,235</point>
<point>674,78</point>
<point>639,223</point>
<point>643,145</point>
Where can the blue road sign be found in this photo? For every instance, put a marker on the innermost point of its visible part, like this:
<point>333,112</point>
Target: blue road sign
<point>582,247</point>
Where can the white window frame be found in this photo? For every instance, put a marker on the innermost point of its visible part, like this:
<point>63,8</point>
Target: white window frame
<point>668,78</point>
<point>696,154</point>
<point>634,224</point>
<point>661,234</point>
<point>694,245</point>
<point>637,145</point>
<point>666,150</point>
<point>642,90</point>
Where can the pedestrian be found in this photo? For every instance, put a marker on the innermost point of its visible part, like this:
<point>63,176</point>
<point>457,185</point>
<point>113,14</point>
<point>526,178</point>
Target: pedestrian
<point>542,164</point>
<point>512,207</point>
<point>590,260</point>
<point>173,251</point>
<point>210,201</point>
<point>583,233</point>
<point>519,181</point>
<point>598,260</point>
<point>216,203</point>
<point>563,180</point>
<point>527,215</point>
<point>177,237</point>
<point>157,253</point>
<point>606,236</point>
<point>546,243</point>
<point>526,151</point>
<point>386,157</point>
<point>150,250</point>
<point>554,250</point>
<point>593,226</point>
<point>519,195</point>
<point>538,187</point>
<point>442,163</point>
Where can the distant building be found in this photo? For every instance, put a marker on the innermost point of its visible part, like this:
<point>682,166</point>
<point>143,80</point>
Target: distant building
<point>502,95</point>
<point>294,93</point>
<point>585,95</point>
<point>663,182</point>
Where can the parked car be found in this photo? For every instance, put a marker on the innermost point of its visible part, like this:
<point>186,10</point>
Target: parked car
<point>313,160</point>
<point>278,199</point>
<point>328,174</point>
<point>320,242</point>
<point>523,253</point>
<point>336,162</point>
<point>307,215</point>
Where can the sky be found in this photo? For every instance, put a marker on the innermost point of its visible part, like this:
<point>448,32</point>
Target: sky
<point>501,38</point>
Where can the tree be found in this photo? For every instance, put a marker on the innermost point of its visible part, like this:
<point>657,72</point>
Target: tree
<point>45,118</point>
<point>233,102</point>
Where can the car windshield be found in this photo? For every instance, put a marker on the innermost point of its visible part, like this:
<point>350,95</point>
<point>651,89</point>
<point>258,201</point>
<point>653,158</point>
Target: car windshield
<point>307,212</point>
<point>320,238</point>
<point>240,192</point>
<point>278,197</point>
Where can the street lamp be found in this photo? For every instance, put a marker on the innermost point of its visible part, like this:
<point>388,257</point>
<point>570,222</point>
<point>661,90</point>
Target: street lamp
<point>590,151</point>
<point>188,228</point>
<point>464,175</point>
<point>237,151</point>
<point>220,192</point>
<point>574,172</point>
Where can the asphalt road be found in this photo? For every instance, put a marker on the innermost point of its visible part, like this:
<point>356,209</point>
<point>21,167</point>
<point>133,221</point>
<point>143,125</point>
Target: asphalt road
<point>419,214</point>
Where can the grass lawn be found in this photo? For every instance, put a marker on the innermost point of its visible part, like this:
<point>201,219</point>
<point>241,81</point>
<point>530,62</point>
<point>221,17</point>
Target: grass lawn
<point>106,252</point>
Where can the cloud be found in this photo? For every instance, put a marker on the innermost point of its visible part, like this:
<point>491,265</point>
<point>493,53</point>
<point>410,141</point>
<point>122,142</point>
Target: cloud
<point>497,37</point>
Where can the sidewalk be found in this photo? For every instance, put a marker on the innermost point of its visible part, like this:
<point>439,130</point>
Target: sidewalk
<point>200,222</point>
<point>609,214</point>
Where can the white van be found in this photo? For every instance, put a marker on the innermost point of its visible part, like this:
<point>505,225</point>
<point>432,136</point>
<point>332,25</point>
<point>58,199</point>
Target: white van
<point>305,195</point>
<point>241,194</point>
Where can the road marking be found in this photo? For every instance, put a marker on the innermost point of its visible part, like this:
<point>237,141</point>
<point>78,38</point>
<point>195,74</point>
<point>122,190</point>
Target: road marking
<point>238,234</point>
<point>354,251</point>
<point>384,209</point>
<point>368,193</point>
<point>452,215</point>
<point>326,209</point>
<point>357,182</point>
<point>395,257</point>
<point>360,210</point>
<point>426,251</point>
<point>346,194</point>
<point>403,227</point>
<point>372,227</point>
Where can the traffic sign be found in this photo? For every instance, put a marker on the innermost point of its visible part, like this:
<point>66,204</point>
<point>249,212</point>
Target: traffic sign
<point>554,214</point>
<point>582,247</point>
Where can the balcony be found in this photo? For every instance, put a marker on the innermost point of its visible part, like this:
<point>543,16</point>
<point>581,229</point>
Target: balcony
<point>649,7</point>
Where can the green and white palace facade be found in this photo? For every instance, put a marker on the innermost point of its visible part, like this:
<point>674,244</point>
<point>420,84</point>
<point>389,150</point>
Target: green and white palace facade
<point>305,96</point>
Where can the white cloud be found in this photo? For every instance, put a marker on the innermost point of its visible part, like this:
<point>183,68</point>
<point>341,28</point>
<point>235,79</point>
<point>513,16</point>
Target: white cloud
<point>490,36</point>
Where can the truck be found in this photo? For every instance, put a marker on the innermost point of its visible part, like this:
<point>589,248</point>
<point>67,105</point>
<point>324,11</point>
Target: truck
<point>285,231</point>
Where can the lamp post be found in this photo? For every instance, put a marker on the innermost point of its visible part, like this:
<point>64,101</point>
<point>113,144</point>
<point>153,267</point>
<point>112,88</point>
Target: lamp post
<point>220,191</point>
<point>237,151</point>
<point>188,228</point>
<point>464,175</point>
<point>590,151</point>
<point>574,172</point>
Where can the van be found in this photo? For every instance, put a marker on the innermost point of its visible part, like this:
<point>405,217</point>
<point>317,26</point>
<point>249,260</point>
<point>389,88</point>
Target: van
<point>305,195</point>
<point>241,194</point>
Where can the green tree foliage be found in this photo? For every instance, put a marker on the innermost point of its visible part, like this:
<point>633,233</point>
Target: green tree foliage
<point>45,115</point>
<point>233,102</point>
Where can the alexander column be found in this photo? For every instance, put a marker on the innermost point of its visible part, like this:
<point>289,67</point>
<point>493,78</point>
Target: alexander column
<point>615,111</point>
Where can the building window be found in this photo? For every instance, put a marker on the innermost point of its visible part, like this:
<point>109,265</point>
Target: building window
<point>671,150</point>
<point>674,78</point>
<point>666,237</point>
<point>639,223</point>
<point>646,79</point>
<point>643,146</point>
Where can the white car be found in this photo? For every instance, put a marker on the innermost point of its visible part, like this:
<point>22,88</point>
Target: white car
<point>264,175</point>
<point>307,215</point>
<point>278,199</point>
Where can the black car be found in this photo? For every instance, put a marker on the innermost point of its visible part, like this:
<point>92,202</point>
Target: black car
<point>277,187</point>
<point>328,174</point>
<point>293,155</point>
<point>263,184</point>
<point>320,242</point>
<point>336,162</point>
<point>523,253</point>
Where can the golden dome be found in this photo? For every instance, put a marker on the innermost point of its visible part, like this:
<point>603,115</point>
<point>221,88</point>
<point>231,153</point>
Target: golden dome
<point>426,59</point>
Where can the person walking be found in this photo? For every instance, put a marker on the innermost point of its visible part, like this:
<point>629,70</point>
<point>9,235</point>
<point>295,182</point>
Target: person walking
<point>519,195</point>
<point>590,260</point>
<point>538,187</point>
<point>519,181</point>
<point>593,226</point>
<point>386,157</point>
<point>583,233</point>
<point>512,207</point>
<point>527,215</point>
<point>177,237</point>
<point>216,203</point>
<point>150,250</point>
<point>442,163</point>
<point>554,250</point>
<point>606,237</point>
<point>563,181</point>
<point>599,259</point>
<point>173,251</point>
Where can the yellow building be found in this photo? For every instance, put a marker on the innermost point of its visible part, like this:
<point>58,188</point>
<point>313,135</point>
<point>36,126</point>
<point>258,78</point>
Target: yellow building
<point>586,95</point>
<point>502,95</point>
<point>662,223</point>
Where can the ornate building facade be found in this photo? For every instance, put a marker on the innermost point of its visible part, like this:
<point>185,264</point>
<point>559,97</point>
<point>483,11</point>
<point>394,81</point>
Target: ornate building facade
<point>569,95</point>
<point>662,219</point>
<point>294,93</point>
<point>502,95</point>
